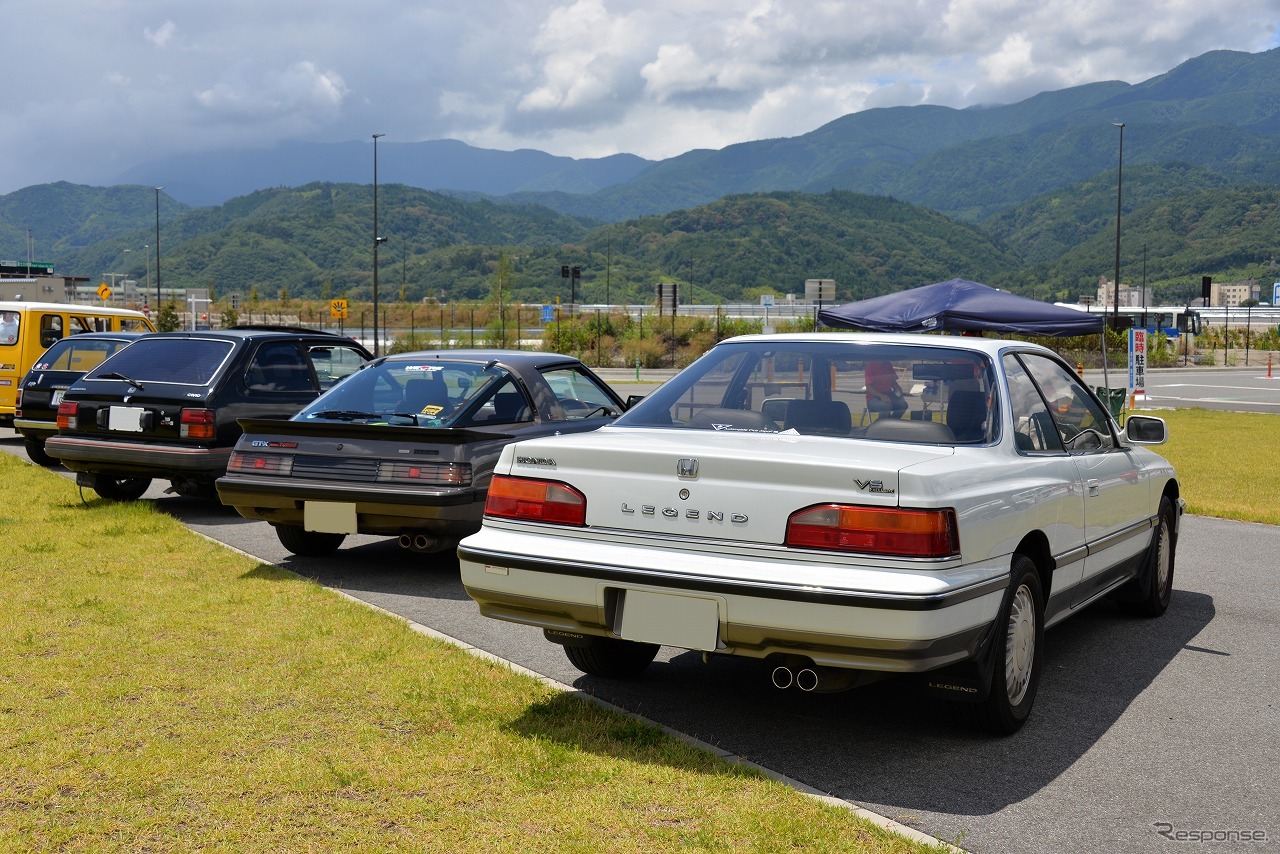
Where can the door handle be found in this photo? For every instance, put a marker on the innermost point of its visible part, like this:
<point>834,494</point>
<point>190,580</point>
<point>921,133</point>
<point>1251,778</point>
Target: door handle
<point>1091,485</point>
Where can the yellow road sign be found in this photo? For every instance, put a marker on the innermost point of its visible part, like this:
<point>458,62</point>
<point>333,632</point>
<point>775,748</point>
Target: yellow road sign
<point>104,292</point>
<point>338,309</point>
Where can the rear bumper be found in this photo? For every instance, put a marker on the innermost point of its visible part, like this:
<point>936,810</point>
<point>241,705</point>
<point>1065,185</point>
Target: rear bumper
<point>110,456</point>
<point>895,621</point>
<point>34,428</point>
<point>380,508</point>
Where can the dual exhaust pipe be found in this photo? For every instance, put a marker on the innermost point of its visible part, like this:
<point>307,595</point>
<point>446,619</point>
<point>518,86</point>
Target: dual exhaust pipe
<point>810,677</point>
<point>806,678</point>
<point>418,542</point>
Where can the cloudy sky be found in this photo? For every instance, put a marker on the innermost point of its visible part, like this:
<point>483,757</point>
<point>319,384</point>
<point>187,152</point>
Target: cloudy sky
<point>93,87</point>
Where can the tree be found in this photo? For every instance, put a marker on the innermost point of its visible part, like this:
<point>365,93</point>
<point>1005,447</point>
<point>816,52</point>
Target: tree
<point>168,319</point>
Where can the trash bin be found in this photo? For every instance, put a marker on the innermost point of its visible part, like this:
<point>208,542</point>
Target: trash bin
<point>1112,398</point>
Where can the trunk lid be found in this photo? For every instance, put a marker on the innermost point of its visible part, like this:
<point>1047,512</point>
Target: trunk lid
<point>719,485</point>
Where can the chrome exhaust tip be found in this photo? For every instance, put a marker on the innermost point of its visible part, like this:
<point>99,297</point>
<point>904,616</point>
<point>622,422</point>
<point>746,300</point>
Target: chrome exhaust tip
<point>783,677</point>
<point>807,679</point>
<point>404,541</point>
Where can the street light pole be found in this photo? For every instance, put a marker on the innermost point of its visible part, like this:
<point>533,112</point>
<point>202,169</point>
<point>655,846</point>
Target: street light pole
<point>376,240</point>
<point>147,249</point>
<point>158,189</point>
<point>1115,307</point>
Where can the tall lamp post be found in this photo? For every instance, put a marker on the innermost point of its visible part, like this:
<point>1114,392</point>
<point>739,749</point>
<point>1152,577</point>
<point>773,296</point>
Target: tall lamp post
<point>376,240</point>
<point>1115,303</point>
<point>125,297</point>
<point>147,251</point>
<point>158,189</point>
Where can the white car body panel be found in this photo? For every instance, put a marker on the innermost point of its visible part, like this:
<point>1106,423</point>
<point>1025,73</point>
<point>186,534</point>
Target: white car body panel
<point>715,540</point>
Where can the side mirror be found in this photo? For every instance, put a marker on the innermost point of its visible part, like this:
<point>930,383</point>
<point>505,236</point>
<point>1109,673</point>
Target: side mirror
<point>633,399</point>
<point>1145,430</point>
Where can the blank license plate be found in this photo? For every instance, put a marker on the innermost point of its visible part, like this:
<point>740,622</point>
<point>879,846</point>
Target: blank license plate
<point>329,517</point>
<point>662,618</point>
<point>127,419</point>
<point>57,396</point>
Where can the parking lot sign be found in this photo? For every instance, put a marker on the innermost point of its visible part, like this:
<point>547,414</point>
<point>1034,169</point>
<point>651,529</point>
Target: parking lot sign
<point>338,309</point>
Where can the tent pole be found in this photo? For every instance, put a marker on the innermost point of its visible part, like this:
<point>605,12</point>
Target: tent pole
<point>1106,381</point>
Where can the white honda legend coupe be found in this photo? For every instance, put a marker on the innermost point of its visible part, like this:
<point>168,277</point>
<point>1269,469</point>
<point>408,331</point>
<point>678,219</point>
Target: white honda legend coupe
<point>842,507</point>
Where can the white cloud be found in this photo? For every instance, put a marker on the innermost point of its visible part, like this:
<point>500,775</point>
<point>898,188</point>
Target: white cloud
<point>573,77</point>
<point>162,35</point>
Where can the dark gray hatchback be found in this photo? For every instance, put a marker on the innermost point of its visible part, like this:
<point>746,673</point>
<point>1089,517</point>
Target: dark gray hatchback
<point>166,407</point>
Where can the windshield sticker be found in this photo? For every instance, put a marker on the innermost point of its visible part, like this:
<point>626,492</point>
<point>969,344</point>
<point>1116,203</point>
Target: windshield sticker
<point>417,368</point>
<point>431,409</point>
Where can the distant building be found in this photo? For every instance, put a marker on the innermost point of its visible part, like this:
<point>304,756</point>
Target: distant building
<point>1233,293</point>
<point>1130,297</point>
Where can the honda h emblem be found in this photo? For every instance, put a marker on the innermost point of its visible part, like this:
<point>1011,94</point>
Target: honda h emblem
<point>687,467</point>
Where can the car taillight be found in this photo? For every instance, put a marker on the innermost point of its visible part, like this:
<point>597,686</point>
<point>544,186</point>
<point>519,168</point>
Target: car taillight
<point>280,464</point>
<point>535,501</point>
<point>875,530</point>
<point>197,424</point>
<point>433,474</point>
<point>67,415</point>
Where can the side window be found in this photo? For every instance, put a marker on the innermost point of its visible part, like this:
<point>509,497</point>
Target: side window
<point>507,405</point>
<point>1033,428</point>
<point>9,322</point>
<point>578,395</point>
<point>51,329</point>
<point>279,366</point>
<point>332,363</point>
<point>1078,418</point>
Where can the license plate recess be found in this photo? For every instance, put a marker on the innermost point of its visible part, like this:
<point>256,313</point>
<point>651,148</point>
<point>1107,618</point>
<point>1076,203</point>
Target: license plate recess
<point>688,622</point>
<point>329,517</point>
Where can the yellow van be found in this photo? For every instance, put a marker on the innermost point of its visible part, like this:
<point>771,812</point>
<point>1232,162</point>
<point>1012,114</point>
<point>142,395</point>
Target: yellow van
<point>27,329</point>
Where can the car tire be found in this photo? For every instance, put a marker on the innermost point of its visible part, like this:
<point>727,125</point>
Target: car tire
<point>121,488</point>
<point>1149,594</point>
<point>36,452</point>
<point>306,543</point>
<point>612,657</point>
<point>1016,656</point>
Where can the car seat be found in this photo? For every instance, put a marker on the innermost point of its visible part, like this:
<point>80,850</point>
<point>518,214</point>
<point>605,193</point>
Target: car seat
<point>967,415</point>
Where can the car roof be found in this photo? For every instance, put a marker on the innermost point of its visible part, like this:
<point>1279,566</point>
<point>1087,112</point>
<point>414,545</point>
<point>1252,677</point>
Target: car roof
<point>101,336</point>
<point>990,346</point>
<point>248,334</point>
<point>514,358</point>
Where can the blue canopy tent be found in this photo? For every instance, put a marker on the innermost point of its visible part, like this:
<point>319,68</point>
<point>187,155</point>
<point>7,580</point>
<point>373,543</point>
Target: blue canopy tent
<point>958,305</point>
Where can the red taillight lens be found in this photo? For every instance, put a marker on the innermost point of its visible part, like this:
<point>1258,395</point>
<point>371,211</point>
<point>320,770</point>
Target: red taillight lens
<point>535,501</point>
<point>430,474</point>
<point>197,424</point>
<point>67,412</point>
<point>281,464</point>
<point>875,530</point>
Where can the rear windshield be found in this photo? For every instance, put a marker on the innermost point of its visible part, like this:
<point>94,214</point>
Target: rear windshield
<point>417,392</point>
<point>883,392</point>
<point>188,361</point>
<point>77,354</point>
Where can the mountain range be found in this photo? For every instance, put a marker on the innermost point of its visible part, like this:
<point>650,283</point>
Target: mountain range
<point>1022,195</point>
<point>1219,111</point>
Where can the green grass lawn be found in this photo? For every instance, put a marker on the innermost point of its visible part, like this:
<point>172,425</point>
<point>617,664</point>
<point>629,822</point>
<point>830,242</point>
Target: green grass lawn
<point>1228,462</point>
<point>161,692</point>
